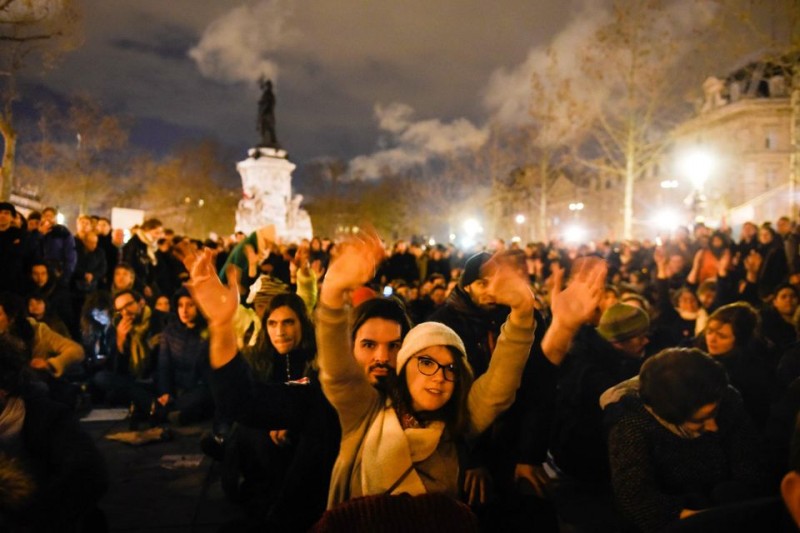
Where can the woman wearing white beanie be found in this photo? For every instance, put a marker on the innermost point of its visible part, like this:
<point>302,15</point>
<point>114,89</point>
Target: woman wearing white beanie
<point>405,440</point>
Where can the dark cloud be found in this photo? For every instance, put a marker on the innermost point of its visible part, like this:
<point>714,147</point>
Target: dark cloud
<point>334,63</point>
<point>171,43</point>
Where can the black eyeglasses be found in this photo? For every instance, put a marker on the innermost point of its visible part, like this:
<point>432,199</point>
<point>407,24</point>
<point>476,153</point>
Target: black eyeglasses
<point>122,308</point>
<point>429,367</point>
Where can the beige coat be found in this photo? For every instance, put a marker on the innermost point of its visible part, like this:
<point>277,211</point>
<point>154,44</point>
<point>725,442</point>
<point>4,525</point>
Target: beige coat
<point>60,352</point>
<point>375,451</point>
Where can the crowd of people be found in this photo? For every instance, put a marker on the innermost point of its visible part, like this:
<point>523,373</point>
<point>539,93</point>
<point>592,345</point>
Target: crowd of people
<point>634,386</point>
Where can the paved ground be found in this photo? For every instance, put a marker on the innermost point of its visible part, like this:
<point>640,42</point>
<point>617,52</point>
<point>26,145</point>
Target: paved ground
<point>144,495</point>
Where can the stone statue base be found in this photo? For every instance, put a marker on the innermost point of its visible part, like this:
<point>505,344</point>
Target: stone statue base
<point>267,196</point>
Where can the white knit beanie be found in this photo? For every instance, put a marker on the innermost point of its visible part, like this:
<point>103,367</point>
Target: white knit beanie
<point>430,334</point>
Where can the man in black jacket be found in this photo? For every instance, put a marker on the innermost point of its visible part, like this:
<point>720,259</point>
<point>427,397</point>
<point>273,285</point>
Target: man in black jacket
<point>509,456</point>
<point>12,250</point>
<point>140,253</point>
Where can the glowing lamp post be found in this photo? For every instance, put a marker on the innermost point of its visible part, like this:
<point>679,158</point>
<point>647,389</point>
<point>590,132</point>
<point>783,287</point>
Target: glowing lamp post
<point>520,220</point>
<point>576,207</point>
<point>697,165</point>
<point>472,228</point>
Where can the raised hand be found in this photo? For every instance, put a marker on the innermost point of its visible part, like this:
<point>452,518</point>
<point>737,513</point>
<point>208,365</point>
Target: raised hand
<point>508,283</point>
<point>577,303</point>
<point>574,306</point>
<point>352,266</point>
<point>216,301</point>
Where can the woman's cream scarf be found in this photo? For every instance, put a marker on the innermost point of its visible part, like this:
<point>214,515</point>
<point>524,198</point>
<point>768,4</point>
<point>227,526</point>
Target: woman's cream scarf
<point>389,453</point>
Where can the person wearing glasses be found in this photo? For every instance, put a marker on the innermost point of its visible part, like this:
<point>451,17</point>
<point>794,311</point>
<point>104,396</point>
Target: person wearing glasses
<point>293,401</point>
<point>406,438</point>
<point>680,442</point>
<point>128,377</point>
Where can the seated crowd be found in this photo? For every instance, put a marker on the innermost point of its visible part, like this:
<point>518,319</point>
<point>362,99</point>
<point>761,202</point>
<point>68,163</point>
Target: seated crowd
<point>596,388</point>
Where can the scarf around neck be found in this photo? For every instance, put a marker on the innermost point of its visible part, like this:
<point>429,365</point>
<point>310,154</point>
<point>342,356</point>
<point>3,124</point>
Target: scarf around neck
<point>389,452</point>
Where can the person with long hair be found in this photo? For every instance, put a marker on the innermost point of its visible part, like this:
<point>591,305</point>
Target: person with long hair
<point>732,337</point>
<point>278,456</point>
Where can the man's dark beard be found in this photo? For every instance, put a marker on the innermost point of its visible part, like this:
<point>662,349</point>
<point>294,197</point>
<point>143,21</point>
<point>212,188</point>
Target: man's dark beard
<point>381,381</point>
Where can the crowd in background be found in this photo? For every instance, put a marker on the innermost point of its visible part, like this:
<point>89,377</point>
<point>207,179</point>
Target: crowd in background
<point>672,389</point>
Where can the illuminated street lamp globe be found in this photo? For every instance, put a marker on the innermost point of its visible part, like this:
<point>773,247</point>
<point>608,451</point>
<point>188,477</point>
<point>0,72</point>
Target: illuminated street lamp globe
<point>697,165</point>
<point>519,219</point>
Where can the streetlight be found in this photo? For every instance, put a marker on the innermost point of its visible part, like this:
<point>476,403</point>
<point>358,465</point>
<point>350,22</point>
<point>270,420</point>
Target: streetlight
<point>574,234</point>
<point>472,227</point>
<point>697,165</point>
<point>577,206</point>
<point>666,219</point>
<point>520,220</point>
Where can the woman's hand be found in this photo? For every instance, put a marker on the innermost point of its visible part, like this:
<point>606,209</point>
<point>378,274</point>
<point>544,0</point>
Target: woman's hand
<point>510,286</point>
<point>217,302</point>
<point>508,283</point>
<point>353,266</point>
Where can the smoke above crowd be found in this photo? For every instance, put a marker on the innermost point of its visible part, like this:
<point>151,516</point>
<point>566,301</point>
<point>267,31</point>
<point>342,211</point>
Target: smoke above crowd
<point>270,37</point>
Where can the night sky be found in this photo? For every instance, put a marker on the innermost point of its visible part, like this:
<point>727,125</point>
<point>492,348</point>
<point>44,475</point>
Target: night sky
<point>369,82</point>
<point>188,68</point>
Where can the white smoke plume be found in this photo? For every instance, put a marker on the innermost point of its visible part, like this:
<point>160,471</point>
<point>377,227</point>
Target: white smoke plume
<point>415,143</point>
<point>508,93</point>
<point>236,47</point>
<point>507,99</point>
<point>560,65</point>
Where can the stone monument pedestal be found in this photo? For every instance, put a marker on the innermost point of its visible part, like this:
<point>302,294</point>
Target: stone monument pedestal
<point>267,196</point>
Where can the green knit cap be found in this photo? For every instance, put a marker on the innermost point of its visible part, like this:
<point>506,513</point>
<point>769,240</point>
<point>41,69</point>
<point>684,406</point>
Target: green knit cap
<point>621,322</point>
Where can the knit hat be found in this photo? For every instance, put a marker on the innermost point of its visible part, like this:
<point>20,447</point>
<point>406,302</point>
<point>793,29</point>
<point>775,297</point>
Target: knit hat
<point>472,269</point>
<point>8,206</point>
<point>426,335</point>
<point>621,322</point>
<point>265,288</point>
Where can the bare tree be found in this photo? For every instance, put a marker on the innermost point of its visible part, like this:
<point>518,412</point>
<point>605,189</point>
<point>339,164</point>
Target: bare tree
<point>80,156</point>
<point>33,33</point>
<point>636,68</point>
<point>184,189</point>
<point>561,119</point>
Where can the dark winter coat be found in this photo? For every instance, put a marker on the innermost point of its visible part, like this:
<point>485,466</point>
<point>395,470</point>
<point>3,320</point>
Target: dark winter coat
<point>182,358</point>
<point>591,367</point>
<point>58,251</point>
<point>93,263</point>
<point>12,266</point>
<point>655,473</point>
<point>135,254</point>
<point>520,435</point>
